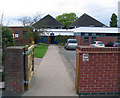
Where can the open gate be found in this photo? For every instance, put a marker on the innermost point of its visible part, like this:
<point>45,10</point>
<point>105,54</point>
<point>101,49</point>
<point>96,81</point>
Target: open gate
<point>28,64</point>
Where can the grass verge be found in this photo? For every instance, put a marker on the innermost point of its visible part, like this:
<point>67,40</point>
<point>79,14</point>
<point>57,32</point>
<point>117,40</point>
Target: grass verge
<point>40,51</point>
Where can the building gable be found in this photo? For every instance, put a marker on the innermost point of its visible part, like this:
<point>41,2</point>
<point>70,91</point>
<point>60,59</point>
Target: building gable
<point>86,21</point>
<point>48,22</point>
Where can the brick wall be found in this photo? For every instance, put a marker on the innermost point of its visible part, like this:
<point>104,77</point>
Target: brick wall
<point>48,40</point>
<point>20,40</point>
<point>14,71</point>
<point>99,72</point>
<point>19,30</point>
<point>23,41</point>
<point>107,39</point>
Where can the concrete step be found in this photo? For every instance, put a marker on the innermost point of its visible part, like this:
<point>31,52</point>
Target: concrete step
<point>1,70</point>
<point>1,74</point>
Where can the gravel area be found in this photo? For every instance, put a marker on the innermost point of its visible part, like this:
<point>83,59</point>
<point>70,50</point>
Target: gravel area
<point>70,56</point>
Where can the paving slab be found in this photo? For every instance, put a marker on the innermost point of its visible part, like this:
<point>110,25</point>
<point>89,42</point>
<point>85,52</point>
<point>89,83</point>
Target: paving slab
<point>37,63</point>
<point>51,77</point>
<point>2,85</point>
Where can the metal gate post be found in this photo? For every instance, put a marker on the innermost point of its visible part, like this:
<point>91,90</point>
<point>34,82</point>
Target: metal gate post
<point>77,71</point>
<point>33,57</point>
<point>26,67</point>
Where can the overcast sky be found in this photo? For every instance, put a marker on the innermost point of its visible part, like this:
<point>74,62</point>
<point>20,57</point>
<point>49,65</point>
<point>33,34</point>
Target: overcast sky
<point>98,9</point>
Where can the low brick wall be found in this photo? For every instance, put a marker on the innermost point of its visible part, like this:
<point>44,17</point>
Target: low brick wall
<point>14,71</point>
<point>98,71</point>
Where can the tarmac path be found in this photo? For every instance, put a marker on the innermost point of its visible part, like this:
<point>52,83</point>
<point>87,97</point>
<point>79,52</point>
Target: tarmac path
<point>51,77</point>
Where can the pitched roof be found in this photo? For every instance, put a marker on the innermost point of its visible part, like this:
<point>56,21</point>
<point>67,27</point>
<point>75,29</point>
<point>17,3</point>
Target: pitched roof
<point>87,21</point>
<point>47,22</point>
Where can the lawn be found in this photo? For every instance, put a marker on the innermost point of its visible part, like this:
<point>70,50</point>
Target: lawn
<point>40,51</point>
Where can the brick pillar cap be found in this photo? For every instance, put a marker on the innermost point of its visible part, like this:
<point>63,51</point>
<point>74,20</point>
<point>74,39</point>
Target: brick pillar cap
<point>15,47</point>
<point>93,49</point>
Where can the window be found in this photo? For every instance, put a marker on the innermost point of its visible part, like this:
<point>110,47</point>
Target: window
<point>77,34</point>
<point>102,34</point>
<point>51,34</point>
<point>16,34</point>
<point>118,39</point>
<point>86,34</point>
<point>82,34</point>
<point>72,41</point>
<point>86,39</point>
<point>91,25</point>
<point>93,34</point>
<point>13,35</point>
<point>93,42</point>
<point>100,43</point>
<point>24,32</point>
<point>93,39</point>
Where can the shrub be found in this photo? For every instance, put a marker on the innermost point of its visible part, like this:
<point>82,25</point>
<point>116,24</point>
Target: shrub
<point>3,76</point>
<point>7,37</point>
<point>7,40</point>
<point>62,39</point>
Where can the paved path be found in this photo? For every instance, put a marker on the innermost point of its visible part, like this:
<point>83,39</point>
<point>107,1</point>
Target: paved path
<point>51,77</point>
<point>37,62</point>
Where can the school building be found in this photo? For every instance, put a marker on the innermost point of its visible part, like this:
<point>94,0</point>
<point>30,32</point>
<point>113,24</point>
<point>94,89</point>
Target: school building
<point>85,29</point>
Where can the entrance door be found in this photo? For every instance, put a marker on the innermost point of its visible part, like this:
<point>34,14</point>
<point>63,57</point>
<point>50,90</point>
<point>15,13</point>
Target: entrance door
<point>52,39</point>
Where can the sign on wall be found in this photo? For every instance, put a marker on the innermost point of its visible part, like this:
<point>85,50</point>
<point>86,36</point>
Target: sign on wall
<point>85,57</point>
<point>16,34</point>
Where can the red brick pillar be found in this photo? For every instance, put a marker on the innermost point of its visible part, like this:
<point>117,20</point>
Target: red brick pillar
<point>98,71</point>
<point>14,71</point>
<point>48,40</point>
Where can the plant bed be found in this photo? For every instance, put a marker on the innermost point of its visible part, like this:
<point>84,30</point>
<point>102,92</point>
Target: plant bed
<point>3,76</point>
<point>43,44</point>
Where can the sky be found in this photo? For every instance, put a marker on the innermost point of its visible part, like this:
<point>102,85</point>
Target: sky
<point>101,10</point>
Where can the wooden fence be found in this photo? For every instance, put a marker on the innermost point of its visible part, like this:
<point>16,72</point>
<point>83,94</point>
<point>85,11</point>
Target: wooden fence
<point>29,64</point>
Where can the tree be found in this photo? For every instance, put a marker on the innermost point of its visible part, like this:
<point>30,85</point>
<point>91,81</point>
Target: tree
<point>113,22</point>
<point>7,40</point>
<point>36,36</point>
<point>29,21</point>
<point>1,19</point>
<point>36,17</point>
<point>25,20</point>
<point>67,18</point>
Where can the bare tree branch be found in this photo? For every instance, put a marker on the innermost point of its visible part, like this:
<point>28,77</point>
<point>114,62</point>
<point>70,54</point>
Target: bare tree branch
<point>29,21</point>
<point>1,19</point>
<point>25,20</point>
